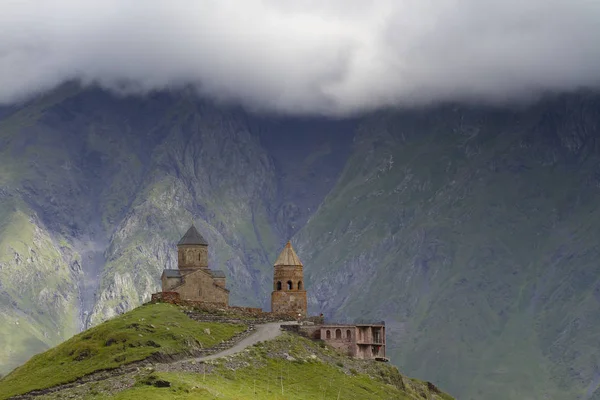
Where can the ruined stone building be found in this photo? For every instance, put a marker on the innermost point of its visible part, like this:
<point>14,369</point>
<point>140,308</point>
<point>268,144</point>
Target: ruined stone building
<point>289,293</point>
<point>192,279</point>
<point>364,341</point>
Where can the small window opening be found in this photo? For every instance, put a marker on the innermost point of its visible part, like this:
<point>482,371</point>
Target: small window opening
<point>278,285</point>
<point>348,334</point>
<point>377,335</point>
<point>299,285</point>
<point>338,333</point>
<point>289,285</point>
<point>328,334</point>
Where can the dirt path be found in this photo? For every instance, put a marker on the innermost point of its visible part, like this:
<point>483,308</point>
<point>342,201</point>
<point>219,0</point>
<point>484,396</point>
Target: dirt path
<point>261,333</point>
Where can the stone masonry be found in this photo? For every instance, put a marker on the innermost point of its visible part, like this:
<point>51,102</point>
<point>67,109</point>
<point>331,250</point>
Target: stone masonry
<point>289,293</point>
<point>193,280</point>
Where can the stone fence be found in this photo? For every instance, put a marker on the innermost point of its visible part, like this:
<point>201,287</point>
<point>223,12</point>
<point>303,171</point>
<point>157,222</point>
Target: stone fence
<point>166,297</point>
<point>219,312</point>
<point>309,331</point>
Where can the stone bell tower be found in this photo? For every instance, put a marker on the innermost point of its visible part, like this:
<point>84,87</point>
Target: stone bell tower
<point>192,250</point>
<point>289,294</point>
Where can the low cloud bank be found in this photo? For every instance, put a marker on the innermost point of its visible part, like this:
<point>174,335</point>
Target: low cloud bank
<point>332,57</point>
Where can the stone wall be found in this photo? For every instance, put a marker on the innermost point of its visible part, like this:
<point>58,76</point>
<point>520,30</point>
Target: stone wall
<point>169,283</point>
<point>317,320</point>
<point>341,337</point>
<point>199,286</point>
<point>192,256</point>
<point>311,332</point>
<point>166,297</point>
<point>220,282</point>
<point>284,274</point>
<point>284,302</point>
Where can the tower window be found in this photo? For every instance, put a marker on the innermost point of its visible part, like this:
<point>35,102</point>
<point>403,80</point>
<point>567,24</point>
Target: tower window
<point>278,285</point>
<point>289,285</point>
<point>199,257</point>
<point>299,285</point>
<point>338,333</point>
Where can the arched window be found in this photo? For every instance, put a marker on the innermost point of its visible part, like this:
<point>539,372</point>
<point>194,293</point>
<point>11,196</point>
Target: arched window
<point>338,333</point>
<point>199,257</point>
<point>348,335</point>
<point>279,285</point>
<point>289,283</point>
<point>299,285</point>
<point>328,334</point>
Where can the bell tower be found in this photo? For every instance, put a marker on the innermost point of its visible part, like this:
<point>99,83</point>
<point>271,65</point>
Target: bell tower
<point>192,250</point>
<point>289,292</point>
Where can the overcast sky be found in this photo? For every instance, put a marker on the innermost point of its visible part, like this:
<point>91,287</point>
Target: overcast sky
<point>304,56</point>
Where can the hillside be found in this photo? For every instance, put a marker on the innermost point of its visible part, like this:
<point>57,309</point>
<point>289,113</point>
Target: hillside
<point>289,367</point>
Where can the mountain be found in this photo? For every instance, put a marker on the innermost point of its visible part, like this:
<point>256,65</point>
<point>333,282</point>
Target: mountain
<point>157,351</point>
<point>110,184</point>
<point>473,233</point>
<point>470,230</point>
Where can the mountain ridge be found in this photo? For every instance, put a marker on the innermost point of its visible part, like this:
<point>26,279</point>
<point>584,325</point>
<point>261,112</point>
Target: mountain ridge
<point>468,229</point>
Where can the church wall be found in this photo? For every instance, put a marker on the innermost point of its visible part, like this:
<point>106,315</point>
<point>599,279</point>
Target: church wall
<point>289,302</point>
<point>199,286</point>
<point>169,283</point>
<point>220,282</point>
<point>192,256</point>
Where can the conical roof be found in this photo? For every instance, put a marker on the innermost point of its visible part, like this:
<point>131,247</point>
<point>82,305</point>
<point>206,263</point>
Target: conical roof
<point>288,257</point>
<point>192,236</point>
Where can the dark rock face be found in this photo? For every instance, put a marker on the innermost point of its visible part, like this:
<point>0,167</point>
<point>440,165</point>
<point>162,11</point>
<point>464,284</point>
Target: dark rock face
<point>471,232</point>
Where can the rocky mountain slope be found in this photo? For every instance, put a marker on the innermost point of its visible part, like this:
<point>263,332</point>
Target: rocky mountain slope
<point>469,230</point>
<point>473,233</point>
<point>113,183</point>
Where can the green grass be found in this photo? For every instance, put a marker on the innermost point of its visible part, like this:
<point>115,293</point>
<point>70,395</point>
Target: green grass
<point>130,337</point>
<point>300,381</point>
<point>266,371</point>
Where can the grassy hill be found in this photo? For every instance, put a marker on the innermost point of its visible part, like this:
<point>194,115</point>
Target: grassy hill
<point>136,335</point>
<point>289,367</point>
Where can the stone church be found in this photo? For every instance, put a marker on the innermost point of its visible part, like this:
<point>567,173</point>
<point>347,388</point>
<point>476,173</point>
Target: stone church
<point>193,280</point>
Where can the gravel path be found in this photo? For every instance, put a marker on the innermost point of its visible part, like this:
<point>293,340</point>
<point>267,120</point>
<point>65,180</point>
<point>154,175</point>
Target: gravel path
<point>261,333</point>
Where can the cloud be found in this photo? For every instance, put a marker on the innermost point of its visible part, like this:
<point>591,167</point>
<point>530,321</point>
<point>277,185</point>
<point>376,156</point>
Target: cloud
<point>304,56</point>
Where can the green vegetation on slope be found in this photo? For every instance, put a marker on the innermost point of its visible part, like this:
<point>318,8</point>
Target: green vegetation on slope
<point>136,335</point>
<point>289,367</point>
<point>473,235</point>
<point>38,286</point>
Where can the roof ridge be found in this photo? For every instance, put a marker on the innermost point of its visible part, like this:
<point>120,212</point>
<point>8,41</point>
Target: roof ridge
<point>288,257</point>
<point>192,237</point>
